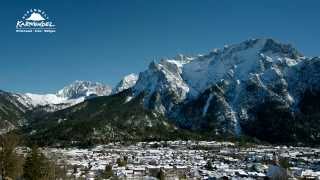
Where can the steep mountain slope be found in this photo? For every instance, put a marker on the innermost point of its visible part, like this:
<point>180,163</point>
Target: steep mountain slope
<point>228,91</point>
<point>125,83</point>
<point>16,109</point>
<point>11,112</point>
<point>102,119</point>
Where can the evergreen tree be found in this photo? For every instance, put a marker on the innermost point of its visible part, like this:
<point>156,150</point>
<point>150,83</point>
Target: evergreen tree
<point>284,163</point>
<point>10,161</point>
<point>37,166</point>
<point>108,173</point>
<point>209,165</point>
<point>162,175</point>
<point>122,162</point>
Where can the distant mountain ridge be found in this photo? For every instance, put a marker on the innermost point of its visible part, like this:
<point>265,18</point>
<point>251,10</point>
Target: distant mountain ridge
<point>14,106</point>
<point>70,95</point>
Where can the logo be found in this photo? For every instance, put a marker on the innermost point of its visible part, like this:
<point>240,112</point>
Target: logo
<point>35,20</point>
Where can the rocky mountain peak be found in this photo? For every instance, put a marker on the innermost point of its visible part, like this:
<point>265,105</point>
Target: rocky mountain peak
<point>238,75</point>
<point>84,88</point>
<point>126,83</point>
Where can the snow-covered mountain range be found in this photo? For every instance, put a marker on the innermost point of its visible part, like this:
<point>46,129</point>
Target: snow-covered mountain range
<point>13,106</point>
<point>70,95</point>
<point>222,90</point>
<point>260,87</point>
<point>75,93</point>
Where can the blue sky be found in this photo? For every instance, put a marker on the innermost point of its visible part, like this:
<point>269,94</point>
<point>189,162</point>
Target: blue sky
<point>103,40</point>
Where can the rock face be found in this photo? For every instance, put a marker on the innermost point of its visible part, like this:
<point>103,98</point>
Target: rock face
<point>83,89</point>
<point>242,88</point>
<point>126,83</point>
<point>11,112</point>
<point>163,84</point>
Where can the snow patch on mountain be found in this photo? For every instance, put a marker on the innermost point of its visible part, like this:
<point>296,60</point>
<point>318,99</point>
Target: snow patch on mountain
<point>163,84</point>
<point>205,108</point>
<point>258,63</point>
<point>47,99</point>
<point>126,83</point>
<point>70,95</point>
<point>84,88</point>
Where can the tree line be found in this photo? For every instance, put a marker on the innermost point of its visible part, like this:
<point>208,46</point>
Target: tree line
<point>30,166</point>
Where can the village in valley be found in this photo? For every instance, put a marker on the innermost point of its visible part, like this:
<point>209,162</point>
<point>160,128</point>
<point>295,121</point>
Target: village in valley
<point>187,160</point>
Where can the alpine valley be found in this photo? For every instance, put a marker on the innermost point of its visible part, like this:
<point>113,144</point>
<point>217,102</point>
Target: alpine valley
<point>259,88</point>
